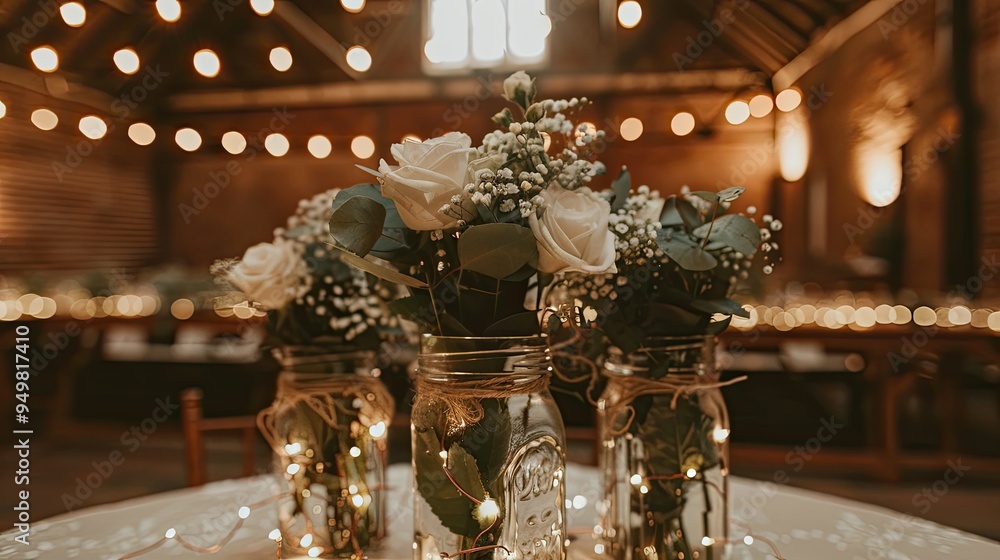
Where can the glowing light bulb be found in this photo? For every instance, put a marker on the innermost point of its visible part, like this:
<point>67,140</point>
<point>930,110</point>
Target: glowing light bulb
<point>44,119</point>
<point>378,430</point>
<point>737,112</point>
<point>691,473</point>
<point>315,551</point>
<point>93,127</point>
<point>643,489</point>
<point>636,479</point>
<point>188,139</point>
<point>274,535</point>
<point>761,105</point>
<point>355,452</point>
<point>788,100</point>
<point>234,143</point>
<point>353,6</point>
<point>682,124</point>
<point>169,10</point>
<point>262,7</point>
<point>207,63</point>
<point>141,133</point>
<point>748,540</point>
<point>293,448</point>
<point>631,129</point>
<point>319,146</point>
<point>126,60</point>
<point>45,59</point>
<point>281,59</point>
<point>276,144</point>
<point>243,512</point>
<point>359,58</point>
<point>357,500</point>
<point>353,489</point>
<point>488,510</point>
<point>293,469</point>
<point>363,147</point>
<point>629,14</point>
<point>720,434</point>
<point>171,533</point>
<point>73,13</point>
<point>3,110</point>
<point>707,541</point>
<point>306,540</point>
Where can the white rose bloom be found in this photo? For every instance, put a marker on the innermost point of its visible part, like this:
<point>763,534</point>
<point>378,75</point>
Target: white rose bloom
<point>518,81</point>
<point>270,274</point>
<point>572,232</point>
<point>428,175</point>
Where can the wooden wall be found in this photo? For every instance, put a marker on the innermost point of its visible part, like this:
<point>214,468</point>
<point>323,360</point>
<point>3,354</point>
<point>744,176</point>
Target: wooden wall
<point>68,203</point>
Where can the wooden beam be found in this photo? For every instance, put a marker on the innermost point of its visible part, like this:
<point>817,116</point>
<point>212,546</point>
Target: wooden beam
<point>56,86</point>
<point>835,38</point>
<point>426,89</point>
<point>316,35</point>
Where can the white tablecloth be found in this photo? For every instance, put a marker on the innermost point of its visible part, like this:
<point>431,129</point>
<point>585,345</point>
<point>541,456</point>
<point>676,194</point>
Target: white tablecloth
<point>804,525</point>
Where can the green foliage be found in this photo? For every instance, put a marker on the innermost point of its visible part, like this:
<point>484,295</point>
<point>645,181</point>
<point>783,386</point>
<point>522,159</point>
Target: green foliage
<point>496,250</point>
<point>733,231</point>
<point>381,271</point>
<point>357,224</point>
<point>621,187</point>
<point>453,509</point>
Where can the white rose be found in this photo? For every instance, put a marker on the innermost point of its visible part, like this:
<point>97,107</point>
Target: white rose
<point>270,274</point>
<point>572,232</point>
<point>428,175</point>
<point>518,86</point>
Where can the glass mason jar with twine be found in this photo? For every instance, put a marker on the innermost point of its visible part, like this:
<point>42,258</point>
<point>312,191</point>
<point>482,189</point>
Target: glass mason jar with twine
<point>327,427</point>
<point>488,451</point>
<point>664,458</point>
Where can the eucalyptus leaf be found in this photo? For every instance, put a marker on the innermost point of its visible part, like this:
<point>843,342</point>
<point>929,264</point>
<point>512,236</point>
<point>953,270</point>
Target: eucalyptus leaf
<point>416,308</point>
<point>452,508</point>
<point>678,212</point>
<point>688,256</point>
<point>497,250</point>
<point>381,271</point>
<point>717,327</point>
<point>706,195</point>
<point>723,306</point>
<point>730,194</point>
<point>621,186</point>
<point>395,234</point>
<point>735,231</point>
<point>357,224</point>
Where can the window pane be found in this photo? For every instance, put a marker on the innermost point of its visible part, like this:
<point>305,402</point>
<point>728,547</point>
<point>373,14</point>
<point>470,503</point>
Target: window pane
<point>449,26</point>
<point>489,25</point>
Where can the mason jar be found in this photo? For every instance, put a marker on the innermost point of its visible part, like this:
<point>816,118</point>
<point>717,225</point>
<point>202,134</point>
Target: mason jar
<point>488,451</point>
<point>664,432</point>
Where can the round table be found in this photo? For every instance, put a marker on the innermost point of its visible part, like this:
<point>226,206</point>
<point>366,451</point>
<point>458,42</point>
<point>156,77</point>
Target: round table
<point>803,525</point>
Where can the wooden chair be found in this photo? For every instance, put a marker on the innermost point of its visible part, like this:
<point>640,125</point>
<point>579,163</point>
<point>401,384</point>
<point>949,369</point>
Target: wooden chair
<point>194,425</point>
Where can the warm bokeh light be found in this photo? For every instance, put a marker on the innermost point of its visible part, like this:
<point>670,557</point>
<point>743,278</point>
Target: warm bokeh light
<point>45,59</point>
<point>353,6</point>
<point>880,175</point>
<point>793,145</point>
<point>93,127</point>
<point>362,147</point>
<point>682,124</point>
<point>629,14</point>
<point>188,139</point>
<point>281,59</point>
<point>319,146</point>
<point>44,119</point>
<point>960,315</point>
<point>234,142</point>
<point>141,133</point>
<point>788,100</point>
<point>3,110</point>
<point>73,13</point>
<point>631,129</point>
<point>207,63</point>
<point>737,112</point>
<point>924,316</point>
<point>359,58</point>
<point>276,144</point>
<point>182,309</point>
<point>993,321</point>
<point>262,7</point>
<point>169,10</point>
<point>761,105</point>
<point>126,60</point>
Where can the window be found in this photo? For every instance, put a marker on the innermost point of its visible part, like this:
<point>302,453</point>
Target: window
<point>501,34</point>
